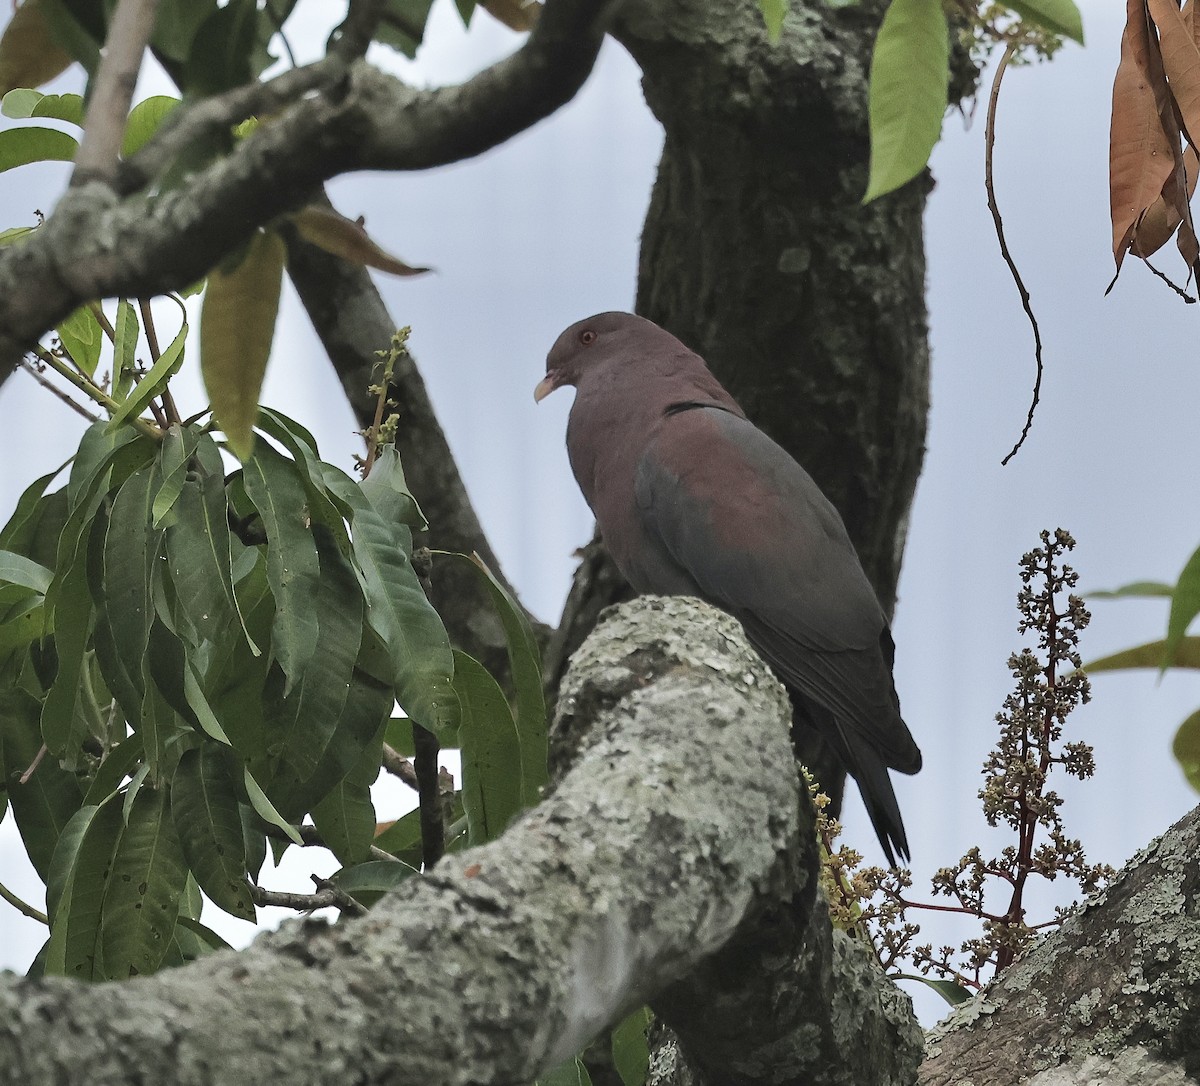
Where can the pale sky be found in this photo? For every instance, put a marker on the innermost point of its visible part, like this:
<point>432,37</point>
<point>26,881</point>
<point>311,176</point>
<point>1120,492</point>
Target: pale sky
<point>543,231</point>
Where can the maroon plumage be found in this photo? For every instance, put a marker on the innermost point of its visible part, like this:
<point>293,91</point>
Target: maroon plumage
<point>692,499</point>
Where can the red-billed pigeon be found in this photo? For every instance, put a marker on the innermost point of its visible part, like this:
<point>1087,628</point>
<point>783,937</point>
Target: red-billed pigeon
<point>692,499</point>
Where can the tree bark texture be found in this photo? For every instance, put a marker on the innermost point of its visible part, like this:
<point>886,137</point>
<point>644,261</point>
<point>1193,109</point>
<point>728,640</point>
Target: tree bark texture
<point>676,822</point>
<point>758,253</point>
<point>1113,996</point>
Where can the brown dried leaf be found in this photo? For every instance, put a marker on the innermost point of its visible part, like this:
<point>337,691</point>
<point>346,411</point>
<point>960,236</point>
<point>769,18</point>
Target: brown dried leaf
<point>326,229</point>
<point>1140,153</point>
<point>514,14</point>
<point>1162,218</point>
<point>29,55</point>
<point>1181,62</point>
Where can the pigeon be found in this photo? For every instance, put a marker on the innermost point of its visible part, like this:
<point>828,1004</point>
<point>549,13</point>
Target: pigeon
<point>692,499</point>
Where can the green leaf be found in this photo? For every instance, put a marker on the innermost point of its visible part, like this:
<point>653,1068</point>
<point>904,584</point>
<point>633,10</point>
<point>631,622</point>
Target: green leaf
<point>45,803</point>
<point>630,1047</point>
<point>952,993</point>
<point>147,881</point>
<point>21,146</point>
<point>387,490</point>
<point>266,809</point>
<point>1186,748</point>
<point>125,350</point>
<point>773,12</point>
<point>368,882</point>
<point>237,326</point>
<point>1136,589</point>
<point>174,460</point>
<point>293,568</point>
<point>61,723</point>
<point>29,54</point>
<point>221,53</point>
<point>153,383</point>
<point>466,8</point>
<point>204,803</point>
<point>119,763</point>
<point>18,532</point>
<point>82,874</point>
<point>403,838</point>
<point>209,937</point>
<point>909,83</point>
<point>403,25</point>
<point>76,29</point>
<point>82,336</point>
<point>177,23</point>
<point>1057,16</point>
<point>568,1073</point>
<point>526,663</point>
<point>1185,605</point>
<point>345,819</point>
<point>491,751</point>
<point>25,102</point>
<point>412,632</point>
<point>199,554</point>
<point>1186,654</point>
<point>17,569</point>
<point>144,120</point>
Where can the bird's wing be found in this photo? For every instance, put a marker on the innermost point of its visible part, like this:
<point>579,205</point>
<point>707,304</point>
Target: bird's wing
<point>760,539</point>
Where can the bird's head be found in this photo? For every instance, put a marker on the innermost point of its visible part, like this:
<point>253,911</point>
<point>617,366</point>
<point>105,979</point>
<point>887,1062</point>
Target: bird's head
<point>595,349</point>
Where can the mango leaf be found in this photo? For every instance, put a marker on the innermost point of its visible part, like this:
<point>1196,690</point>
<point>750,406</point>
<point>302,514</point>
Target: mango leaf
<point>45,803</point>
<point>81,336</point>
<point>265,809</point>
<point>952,993</point>
<point>773,12</point>
<point>119,763</point>
<point>1185,654</point>
<point>525,661</point>
<point>368,882</point>
<point>209,937</point>
<point>174,460</point>
<point>125,350</point>
<point>1057,16</point>
<point>411,630</point>
<point>402,838</point>
<point>146,883</point>
<point>17,569</point>
<point>153,383</point>
<point>630,1048</point>
<point>570,1072</point>
<point>221,54</point>
<point>1135,589</point>
<point>77,29</point>
<point>21,146</point>
<point>29,54</point>
<point>1180,61</point>
<point>491,751</point>
<point>402,25</point>
<point>909,84</point>
<point>81,874</point>
<point>293,569</point>
<point>144,120</point>
<point>204,804</point>
<point>177,23</point>
<point>1186,748</point>
<point>62,725</point>
<point>345,819</point>
<point>466,8</point>
<point>1185,605</point>
<point>388,491</point>
<point>336,234</point>
<point>17,533</point>
<point>237,325</point>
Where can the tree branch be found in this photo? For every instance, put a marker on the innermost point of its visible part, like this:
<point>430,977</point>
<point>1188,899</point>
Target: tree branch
<point>1112,996</point>
<point>120,61</point>
<point>100,243</point>
<point>670,829</point>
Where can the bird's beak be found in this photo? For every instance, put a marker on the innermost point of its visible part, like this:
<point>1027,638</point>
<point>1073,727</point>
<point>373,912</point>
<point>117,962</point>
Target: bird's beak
<point>544,387</point>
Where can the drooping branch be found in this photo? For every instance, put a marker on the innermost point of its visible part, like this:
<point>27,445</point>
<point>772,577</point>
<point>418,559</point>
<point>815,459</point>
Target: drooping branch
<point>672,829</point>
<point>100,242</point>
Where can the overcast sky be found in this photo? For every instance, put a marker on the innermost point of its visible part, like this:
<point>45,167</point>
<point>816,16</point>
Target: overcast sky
<point>544,230</point>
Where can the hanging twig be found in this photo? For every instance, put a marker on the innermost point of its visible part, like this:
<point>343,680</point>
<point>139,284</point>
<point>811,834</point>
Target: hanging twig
<point>993,207</point>
<point>50,386</point>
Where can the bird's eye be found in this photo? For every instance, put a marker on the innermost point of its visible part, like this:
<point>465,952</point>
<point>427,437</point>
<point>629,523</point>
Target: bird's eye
<point>587,337</point>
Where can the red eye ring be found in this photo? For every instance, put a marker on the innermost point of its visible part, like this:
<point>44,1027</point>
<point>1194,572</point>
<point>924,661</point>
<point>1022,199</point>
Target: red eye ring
<point>587,337</point>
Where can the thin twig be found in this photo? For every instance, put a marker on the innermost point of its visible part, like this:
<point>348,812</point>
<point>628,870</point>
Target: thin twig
<point>51,387</point>
<point>283,899</point>
<point>107,111</point>
<point>398,766</point>
<point>358,28</point>
<point>23,906</point>
<point>433,828</point>
<point>1167,279</point>
<point>346,903</point>
<point>37,761</point>
<point>994,208</point>
<point>92,390</point>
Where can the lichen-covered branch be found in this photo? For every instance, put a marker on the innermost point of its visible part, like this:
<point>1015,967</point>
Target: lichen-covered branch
<point>674,823</point>
<point>101,242</point>
<point>1112,996</point>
